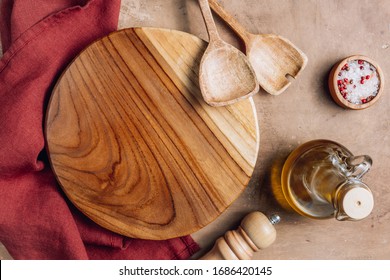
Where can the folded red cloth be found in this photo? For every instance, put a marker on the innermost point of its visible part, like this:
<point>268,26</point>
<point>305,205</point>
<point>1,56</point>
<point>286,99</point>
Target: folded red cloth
<point>39,39</point>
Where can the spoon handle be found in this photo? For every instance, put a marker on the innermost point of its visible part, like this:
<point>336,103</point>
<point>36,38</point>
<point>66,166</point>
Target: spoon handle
<point>209,21</point>
<point>231,21</point>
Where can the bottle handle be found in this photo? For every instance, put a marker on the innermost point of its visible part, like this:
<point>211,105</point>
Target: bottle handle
<point>358,165</point>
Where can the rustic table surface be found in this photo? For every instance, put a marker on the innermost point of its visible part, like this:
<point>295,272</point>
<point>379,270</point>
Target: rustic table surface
<point>326,31</point>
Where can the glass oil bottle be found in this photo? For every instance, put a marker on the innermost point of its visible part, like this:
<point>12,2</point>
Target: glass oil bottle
<point>322,179</point>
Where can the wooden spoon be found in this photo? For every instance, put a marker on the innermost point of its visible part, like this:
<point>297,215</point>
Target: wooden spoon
<point>225,75</point>
<point>272,57</point>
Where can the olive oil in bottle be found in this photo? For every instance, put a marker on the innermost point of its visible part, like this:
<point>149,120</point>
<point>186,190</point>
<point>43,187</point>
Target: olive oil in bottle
<point>322,179</point>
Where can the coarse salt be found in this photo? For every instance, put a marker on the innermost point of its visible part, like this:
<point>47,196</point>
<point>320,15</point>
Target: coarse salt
<point>358,81</point>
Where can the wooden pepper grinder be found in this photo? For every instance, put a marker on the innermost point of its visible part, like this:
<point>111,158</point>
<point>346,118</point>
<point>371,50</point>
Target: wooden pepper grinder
<point>255,232</point>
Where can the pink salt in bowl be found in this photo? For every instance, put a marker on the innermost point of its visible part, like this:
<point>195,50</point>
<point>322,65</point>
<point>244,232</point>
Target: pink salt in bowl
<point>356,82</point>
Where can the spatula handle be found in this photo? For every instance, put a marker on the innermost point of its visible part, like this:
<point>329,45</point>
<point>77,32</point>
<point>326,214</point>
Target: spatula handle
<point>231,21</point>
<point>209,21</point>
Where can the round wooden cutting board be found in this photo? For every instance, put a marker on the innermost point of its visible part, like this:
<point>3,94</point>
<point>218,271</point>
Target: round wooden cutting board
<point>133,145</point>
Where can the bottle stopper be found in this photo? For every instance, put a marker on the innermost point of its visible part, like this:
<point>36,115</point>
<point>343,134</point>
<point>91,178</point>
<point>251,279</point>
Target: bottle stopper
<point>355,201</point>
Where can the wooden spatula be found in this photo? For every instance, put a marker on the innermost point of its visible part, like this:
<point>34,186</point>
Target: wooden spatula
<point>272,57</point>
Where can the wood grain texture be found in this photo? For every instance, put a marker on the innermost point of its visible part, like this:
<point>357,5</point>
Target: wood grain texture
<point>272,57</point>
<point>226,75</point>
<point>133,144</point>
<point>256,232</point>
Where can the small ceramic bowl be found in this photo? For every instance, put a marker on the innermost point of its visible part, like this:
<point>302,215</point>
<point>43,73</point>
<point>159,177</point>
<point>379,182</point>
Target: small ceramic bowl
<point>356,82</point>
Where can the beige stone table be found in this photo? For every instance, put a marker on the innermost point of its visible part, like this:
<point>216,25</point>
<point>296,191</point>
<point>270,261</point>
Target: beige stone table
<point>326,31</point>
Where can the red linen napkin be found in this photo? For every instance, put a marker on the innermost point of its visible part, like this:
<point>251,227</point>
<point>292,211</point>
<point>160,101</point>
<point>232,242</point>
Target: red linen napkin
<point>40,38</point>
